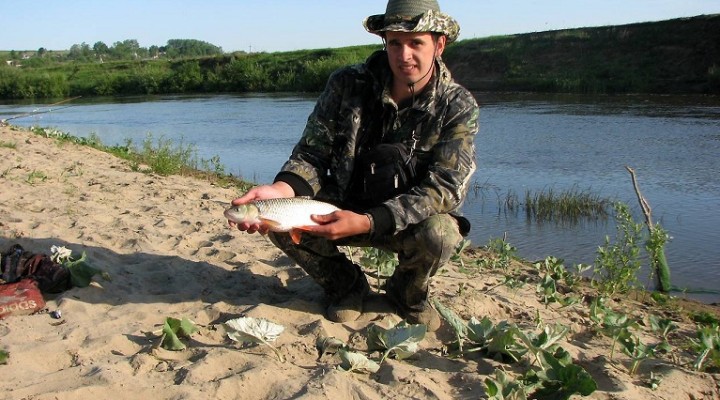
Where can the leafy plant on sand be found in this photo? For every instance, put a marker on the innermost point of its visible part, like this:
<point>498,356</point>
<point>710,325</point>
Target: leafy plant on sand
<point>382,262</point>
<point>553,274</point>
<point>401,341</point>
<point>174,329</point>
<point>81,272</point>
<point>617,264</point>
<point>551,371</point>
<point>255,331</point>
<point>707,345</point>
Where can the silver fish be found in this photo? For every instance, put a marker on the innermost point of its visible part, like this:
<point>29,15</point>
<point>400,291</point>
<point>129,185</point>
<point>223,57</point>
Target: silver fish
<point>280,215</point>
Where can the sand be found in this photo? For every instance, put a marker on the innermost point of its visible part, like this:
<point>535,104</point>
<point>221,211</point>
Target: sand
<point>170,253</point>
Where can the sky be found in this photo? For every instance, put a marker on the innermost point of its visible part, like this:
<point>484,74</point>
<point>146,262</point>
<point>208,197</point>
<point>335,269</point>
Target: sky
<point>285,25</point>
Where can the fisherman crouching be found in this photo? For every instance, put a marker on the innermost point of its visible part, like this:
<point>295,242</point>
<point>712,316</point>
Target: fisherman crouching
<point>391,143</point>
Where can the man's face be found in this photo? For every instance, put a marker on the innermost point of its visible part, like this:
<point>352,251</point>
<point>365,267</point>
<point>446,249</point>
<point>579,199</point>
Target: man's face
<point>411,55</point>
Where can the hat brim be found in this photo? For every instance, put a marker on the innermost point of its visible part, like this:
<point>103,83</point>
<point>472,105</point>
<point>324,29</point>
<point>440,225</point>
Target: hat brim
<point>431,21</point>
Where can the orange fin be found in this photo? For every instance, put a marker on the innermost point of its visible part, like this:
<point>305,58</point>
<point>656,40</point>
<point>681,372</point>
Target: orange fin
<point>269,222</point>
<point>295,235</point>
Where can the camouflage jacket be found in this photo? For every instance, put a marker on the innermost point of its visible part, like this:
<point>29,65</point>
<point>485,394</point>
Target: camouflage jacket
<point>356,111</point>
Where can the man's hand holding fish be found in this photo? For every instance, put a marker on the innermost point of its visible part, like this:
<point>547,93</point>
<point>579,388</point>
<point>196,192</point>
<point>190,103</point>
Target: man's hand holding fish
<point>276,190</point>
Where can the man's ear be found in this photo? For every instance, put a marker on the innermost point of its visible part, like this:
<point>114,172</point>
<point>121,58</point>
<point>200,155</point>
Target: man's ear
<point>440,46</point>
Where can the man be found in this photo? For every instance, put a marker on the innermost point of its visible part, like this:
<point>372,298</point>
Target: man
<point>404,98</point>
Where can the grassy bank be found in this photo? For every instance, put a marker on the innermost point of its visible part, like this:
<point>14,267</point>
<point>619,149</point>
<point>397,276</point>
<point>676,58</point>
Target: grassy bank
<point>674,56</point>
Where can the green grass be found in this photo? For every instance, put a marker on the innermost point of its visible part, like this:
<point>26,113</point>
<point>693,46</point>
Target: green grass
<point>161,156</point>
<point>566,206</point>
<point>8,145</point>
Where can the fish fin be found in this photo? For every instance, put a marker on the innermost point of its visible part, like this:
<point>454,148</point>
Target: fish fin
<point>295,235</point>
<point>270,223</point>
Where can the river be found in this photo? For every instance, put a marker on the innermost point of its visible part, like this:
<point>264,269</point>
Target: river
<point>526,142</point>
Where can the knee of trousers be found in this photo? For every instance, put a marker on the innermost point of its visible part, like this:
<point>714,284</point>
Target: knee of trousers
<point>437,235</point>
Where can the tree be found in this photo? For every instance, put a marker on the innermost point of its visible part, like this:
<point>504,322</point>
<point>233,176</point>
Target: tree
<point>191,48</point>
<point>126,49</point>
<point>154,51</point>
<point>100,49</point>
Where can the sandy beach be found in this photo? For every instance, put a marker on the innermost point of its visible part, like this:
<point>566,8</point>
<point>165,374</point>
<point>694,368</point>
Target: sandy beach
<point>170,253</point>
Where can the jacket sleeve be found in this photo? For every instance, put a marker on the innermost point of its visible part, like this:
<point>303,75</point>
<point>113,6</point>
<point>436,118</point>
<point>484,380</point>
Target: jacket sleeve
<point>452,164</point>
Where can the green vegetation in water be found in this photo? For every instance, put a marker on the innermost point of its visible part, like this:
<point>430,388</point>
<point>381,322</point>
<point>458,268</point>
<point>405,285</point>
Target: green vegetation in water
<point>565,207</point>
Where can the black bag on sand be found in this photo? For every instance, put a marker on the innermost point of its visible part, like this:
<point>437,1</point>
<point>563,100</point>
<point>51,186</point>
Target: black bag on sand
<point>51,277</point>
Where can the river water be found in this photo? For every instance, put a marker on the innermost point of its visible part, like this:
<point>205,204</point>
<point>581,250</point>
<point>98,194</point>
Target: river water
<point>526,142</point>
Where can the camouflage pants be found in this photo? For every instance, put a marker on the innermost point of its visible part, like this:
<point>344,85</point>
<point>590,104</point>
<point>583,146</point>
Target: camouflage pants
<point>421,248</point>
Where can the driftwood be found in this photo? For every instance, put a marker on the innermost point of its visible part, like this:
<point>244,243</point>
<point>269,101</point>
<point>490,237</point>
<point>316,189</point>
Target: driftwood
<point>657,256</point>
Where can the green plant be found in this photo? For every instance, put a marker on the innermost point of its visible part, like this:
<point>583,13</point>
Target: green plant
<point>613,324</point>
<point>638,351</point>
<point>560,378</point>
<point>504,253</point>
<point>569,206</point>
<point>173,330</point>
<point>663,326</point>
<point>36,176</point>
<point>457,255</point>
<point>401,340</point>
<point>166,157</point>
<point>557,375</point>
<point>705,318</point>
<point>618,263</point>
<point>81,273</point>
<point>383,262</point>
<point>552,272</point>
<point>504,388</point>
<point>707,345</point>
<point>546,341</point>
<point>8,145</point>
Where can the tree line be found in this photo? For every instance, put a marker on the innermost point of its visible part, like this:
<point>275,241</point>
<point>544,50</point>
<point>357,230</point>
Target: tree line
<point>299,71</point>
<point>128,49</point>
<point>677,56</point>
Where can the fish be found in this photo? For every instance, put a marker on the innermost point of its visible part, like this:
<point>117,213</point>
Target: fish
<point>290,214</point>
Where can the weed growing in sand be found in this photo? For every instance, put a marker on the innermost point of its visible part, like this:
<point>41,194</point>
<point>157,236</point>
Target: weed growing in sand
<point>617,264</point>
<point>707,345</point>
<point>166,157</point>
<point>36,177</point>
<point>613,324</point>
<point>8,145</point>
<point>173,330</point>
<point>551,371</point>
<point>502,254</point>
<point>402,340</point>
<point>381,261</point>
<point>162,157</point>
<point>639,351</point>
<point>4,355</point>
<point>553,273</point>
